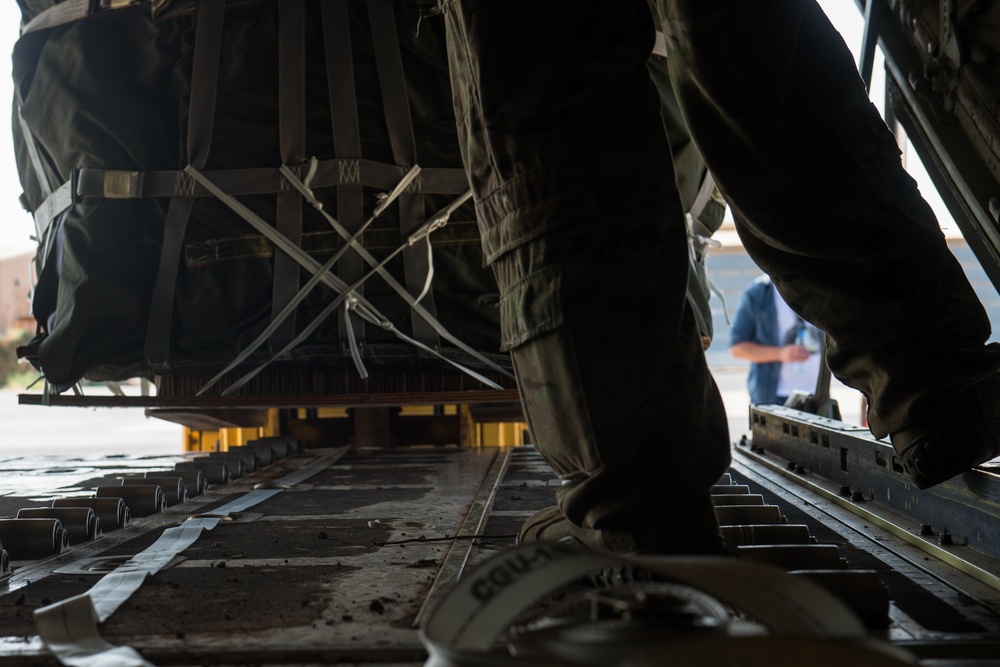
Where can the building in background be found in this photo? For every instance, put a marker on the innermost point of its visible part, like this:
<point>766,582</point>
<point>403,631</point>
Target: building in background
<point>15,294</point>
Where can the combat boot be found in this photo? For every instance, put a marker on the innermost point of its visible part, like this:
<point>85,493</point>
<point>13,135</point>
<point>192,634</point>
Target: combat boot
<point>960,436</point>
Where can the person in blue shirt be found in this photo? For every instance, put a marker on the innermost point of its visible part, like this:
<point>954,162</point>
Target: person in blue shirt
<point>782,348</point>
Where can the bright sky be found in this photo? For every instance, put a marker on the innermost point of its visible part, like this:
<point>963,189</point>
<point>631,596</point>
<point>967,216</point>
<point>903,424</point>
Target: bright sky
<point>16,226</point>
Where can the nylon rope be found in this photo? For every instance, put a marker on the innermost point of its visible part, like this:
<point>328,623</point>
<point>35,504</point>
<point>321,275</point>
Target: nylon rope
<point>430,271</point>
<point>692,224</point>
<point>352,341</point>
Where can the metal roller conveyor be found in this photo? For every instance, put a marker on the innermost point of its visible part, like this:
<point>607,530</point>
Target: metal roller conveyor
<point>237,463</point>
<point>30,539</point>
<point>861,590</point>
<point>216,471</point>
<point>292,443</point>
<point>756,514</point>
<point>793,556</point>
<point>195,480</point>
<point>174,488</point>
<point>730,489</point>
<point>141,499</point>
<point>113,513</point>
<point>738,499</point>
<point>248,458</point>
<point>280,449</point>
<point>737,536</point>
<point>263,452</point>
<point>81,523</point>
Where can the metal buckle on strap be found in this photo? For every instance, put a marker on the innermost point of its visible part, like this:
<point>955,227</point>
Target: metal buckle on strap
<point>116,4</point>
<point>122,184</point>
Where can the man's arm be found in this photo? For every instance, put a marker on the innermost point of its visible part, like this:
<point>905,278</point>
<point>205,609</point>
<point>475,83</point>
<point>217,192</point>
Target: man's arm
<point>763,354</point>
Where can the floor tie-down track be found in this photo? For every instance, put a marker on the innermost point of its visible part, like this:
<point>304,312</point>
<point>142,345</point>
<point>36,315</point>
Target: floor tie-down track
<point>345,565</point>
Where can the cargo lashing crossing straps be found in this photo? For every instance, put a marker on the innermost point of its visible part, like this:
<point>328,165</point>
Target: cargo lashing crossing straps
<point>322,274</point>
<point>347,293</point>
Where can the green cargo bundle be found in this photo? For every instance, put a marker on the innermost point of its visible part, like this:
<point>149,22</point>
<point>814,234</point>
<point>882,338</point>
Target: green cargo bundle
<point>219,186</point>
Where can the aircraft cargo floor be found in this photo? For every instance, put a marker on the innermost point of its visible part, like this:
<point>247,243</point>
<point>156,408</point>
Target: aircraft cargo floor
<point>343,554</point>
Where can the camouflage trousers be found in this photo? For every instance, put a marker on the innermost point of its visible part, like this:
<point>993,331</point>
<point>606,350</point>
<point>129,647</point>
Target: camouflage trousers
<point>581,222</point>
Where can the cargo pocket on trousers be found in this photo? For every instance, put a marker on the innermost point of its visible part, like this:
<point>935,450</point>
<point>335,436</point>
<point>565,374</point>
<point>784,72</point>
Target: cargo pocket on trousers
<point>531,307</point>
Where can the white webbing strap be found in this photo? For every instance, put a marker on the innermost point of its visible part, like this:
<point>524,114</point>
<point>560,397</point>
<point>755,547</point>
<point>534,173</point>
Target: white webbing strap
<point>437,221</point>
<point>703,197</point>
<point>69,627</point>
<point>384,200</point>
<point>660,45</point>
<point>467,621</point>
<point>318,275</point>
<point>371,315</point>
<point>69,630</point>
<point>700,239</point>
<point>352,301</point>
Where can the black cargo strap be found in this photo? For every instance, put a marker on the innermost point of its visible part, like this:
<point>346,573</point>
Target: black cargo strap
<point>292,144</point>
<point>399,122</point>
<point>346,144</point>
<point>73,10</point>
<point>120,184</point>
<point>359,304</point>
<point>210,252</point>
<point>204,77</point>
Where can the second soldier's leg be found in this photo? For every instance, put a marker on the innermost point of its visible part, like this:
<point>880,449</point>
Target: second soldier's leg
<point>773,99</point>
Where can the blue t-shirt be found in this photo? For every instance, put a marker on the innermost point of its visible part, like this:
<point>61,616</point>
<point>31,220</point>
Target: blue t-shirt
<point>756,321</point>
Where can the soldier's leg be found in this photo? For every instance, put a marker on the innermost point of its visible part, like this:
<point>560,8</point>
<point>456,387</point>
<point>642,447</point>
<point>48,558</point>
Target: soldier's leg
<point>567,157</point>
<point>773,99</point>
<point>618,398</point>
